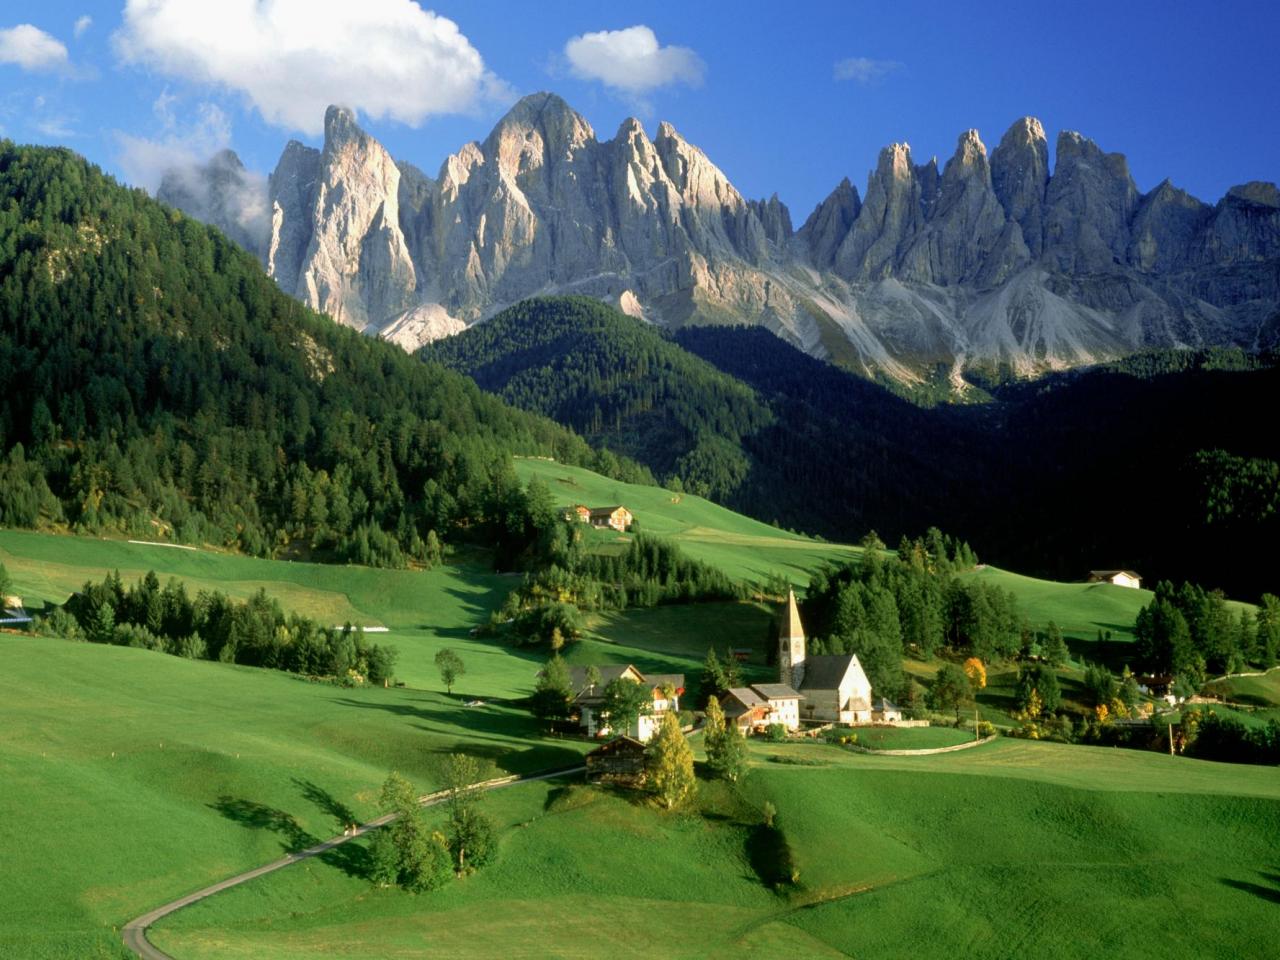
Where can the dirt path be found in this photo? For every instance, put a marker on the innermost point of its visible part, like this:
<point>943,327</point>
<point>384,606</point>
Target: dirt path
<point>135,931</point>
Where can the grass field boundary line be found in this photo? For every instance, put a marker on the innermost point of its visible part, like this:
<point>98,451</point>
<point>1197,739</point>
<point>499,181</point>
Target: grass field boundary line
<point>134,933</point>
<point>924,751</point>
<point>173,546</point>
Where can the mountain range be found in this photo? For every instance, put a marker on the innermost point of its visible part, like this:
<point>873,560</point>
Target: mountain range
<point>992,260</point>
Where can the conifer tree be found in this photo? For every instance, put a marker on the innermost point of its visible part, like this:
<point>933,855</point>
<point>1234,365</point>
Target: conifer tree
<point>713,732</point>
<point>731,762</point>
<point>671,764</point>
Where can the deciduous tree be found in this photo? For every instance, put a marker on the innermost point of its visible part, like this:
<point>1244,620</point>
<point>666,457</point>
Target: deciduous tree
<point>671,764</point>
<point>450,666</point>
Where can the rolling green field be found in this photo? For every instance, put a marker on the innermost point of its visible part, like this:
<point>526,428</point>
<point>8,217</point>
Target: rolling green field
<point>145,776</point>
<point>745,549</point>
<point>423,611</point>
<point>1109,851</point>
<point>137,776</point>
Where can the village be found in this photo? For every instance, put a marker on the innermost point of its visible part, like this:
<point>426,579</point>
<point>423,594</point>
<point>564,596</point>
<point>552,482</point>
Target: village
<point>812,694</point>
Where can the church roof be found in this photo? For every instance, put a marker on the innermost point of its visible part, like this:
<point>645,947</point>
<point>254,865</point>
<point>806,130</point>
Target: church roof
<point>827,671</point>
<point>791,625</point>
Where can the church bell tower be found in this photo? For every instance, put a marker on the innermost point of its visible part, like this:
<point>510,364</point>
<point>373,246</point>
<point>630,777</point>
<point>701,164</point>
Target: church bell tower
<point>791,645</point>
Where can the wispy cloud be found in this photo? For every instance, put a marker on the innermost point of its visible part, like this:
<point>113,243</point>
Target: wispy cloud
<point>82,24</point>
<point>632,60</point>
<point>865,71</point>
<point>32,49</point>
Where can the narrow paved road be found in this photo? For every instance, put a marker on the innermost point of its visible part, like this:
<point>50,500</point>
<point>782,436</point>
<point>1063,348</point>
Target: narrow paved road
<point>135,931</point>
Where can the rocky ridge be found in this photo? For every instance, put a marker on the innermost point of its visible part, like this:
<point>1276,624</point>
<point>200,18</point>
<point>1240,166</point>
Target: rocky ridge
<point>994,259</point>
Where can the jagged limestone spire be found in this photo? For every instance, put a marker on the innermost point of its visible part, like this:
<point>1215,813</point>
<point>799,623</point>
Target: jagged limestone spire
<point>791,645</point>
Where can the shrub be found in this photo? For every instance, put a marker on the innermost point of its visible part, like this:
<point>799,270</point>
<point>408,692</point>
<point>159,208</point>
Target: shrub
<point>776,733</point>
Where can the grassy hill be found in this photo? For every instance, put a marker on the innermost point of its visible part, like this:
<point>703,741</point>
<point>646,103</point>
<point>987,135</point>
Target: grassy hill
<point>139,776</point>
<point>1110,851</point>
<point>745,549</point>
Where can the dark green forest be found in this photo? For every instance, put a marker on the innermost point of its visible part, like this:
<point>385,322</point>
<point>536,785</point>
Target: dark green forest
<point>1164,462</point>
<point>157,384</point>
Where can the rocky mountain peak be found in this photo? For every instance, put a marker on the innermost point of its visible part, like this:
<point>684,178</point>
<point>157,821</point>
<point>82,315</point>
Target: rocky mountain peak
<point>1019,176</point>
<point>830,223</point>
<point>1258,192</point>
<point>991,258</point>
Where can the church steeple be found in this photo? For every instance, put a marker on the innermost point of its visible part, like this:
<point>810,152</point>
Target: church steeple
<point>791,645</point>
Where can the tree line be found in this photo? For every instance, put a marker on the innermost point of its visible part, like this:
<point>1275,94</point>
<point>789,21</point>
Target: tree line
<point>213,626</point>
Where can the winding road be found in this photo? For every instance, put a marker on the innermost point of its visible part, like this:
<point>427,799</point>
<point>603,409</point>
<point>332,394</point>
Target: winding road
<point>135,931</point>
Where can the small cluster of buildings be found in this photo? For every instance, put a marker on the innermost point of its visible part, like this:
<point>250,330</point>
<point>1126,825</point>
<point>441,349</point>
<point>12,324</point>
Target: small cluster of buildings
<point>616,517</point>
<point>810,689</point>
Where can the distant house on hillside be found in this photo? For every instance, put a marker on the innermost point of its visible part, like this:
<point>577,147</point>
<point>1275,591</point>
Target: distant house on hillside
<point>1121,578</point>
<point>617,517</point>
<point>621,760</point>
<point>834,687</point>
<point>589,697</point>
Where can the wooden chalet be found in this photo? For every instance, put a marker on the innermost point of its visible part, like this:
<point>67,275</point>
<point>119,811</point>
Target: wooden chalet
<point>620,761</point>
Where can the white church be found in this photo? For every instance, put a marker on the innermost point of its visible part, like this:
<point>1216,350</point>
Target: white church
<point>832,688</point>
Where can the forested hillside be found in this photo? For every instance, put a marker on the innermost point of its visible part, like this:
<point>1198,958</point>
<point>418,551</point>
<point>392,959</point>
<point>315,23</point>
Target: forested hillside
<point>156,383</point>
<point>1164,462</point>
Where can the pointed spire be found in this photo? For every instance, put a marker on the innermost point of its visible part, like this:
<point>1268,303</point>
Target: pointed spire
<point>792,628</point>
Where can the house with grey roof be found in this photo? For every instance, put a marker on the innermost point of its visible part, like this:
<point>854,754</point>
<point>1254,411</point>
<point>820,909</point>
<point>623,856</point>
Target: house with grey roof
<point>757,707</point>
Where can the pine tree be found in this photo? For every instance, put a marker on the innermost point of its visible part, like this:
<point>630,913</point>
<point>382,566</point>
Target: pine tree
<point>671,764</point>
<point>713,733</point>
<point>731,763</point>
<point>553,693</point>
<point>1055,647</point>
<point>712,683</point>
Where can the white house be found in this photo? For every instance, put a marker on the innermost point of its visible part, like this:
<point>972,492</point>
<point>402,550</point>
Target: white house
<point>1121,578</point>
<point>834,687</point>
<point>757,707</point>
<point>883,711</point>
<point>664,692</point>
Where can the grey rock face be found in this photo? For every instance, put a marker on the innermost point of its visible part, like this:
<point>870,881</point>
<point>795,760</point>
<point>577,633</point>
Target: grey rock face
<point>1088,205</point>
<point>830,223</point>
<point>1019,176</point>
<point>993,259</point>
<point>1166,229</point>
<point>292,193</point>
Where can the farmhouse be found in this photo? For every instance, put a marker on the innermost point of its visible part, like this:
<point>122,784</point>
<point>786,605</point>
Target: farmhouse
<point>578,512</point>
<point>621,760</point>
<point>755,708</point>
<point>834,687</point>
<point>1121,578</point>
<point>617,517</point>
<point>664,692</point>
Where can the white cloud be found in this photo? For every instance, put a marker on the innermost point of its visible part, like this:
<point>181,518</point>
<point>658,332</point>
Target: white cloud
<point>32,49</point>
<point>292,58</point>
<point>83,24</point>
<point>632,60</point>
<point>145,161</point>
<point>864,70</point>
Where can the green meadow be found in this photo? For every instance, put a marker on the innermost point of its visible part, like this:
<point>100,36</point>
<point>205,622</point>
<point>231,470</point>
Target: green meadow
<point>137,776</point>
<point>143,776</point>
<point>1009,849</point>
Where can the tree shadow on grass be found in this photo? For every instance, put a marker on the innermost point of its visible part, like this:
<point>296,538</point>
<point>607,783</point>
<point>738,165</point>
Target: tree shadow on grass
<point>352,858</point>
<point>327,802</point>
<point>1271,893</point>
<point>258,816</point>
<point>501,757</point>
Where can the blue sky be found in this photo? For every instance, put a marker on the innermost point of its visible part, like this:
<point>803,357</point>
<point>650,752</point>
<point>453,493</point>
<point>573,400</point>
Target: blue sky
<point>785,97</point>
